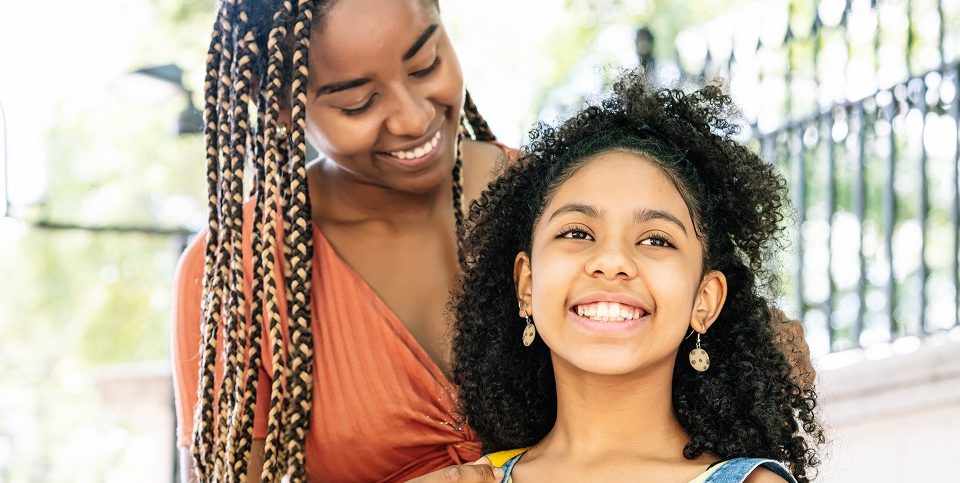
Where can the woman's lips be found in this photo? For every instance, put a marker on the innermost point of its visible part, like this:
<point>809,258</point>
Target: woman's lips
<point>418,156</point>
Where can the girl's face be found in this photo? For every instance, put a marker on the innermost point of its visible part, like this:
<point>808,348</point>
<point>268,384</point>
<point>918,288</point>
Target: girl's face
<point>615,278</point>
<point>384,92</point>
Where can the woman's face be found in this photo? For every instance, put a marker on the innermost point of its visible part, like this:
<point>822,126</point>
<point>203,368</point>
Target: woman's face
<point>614,278</point>
<point>384,93</point>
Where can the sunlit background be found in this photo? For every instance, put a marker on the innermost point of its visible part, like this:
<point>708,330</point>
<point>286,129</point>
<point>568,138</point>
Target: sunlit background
<point>855,100</point>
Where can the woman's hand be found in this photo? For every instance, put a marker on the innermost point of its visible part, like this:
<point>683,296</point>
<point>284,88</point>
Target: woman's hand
<point>479,471</point>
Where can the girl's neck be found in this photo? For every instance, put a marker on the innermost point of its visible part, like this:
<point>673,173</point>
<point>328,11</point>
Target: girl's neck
<point>599,417</point>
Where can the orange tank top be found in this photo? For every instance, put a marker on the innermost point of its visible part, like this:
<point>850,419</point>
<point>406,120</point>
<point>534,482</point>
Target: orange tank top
<point>382,409</point>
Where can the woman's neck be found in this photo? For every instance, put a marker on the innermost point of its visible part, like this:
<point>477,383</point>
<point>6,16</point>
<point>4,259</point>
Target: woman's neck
<point>339,197</point>
<point>599,417</point>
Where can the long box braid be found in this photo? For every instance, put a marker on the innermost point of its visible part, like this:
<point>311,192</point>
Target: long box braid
<point>263,44</point>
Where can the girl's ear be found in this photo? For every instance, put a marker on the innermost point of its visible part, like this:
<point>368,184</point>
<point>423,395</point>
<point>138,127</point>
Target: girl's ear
<point>709,301</point>
<point>523,281</point>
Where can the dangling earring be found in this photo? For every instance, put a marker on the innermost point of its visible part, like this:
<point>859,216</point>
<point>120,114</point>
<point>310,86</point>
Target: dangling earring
<point>530,331</point>
<point>699,359</point>
<point>282,131</point>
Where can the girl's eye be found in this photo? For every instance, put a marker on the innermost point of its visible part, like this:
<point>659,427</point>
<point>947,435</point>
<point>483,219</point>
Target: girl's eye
<point>429,70</point>
<point>358,110</point>
<point>575,233</point>
<point>657,240</point>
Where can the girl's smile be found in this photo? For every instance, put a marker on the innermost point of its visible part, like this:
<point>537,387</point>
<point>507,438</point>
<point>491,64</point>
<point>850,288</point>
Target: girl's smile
<point>610,313</point>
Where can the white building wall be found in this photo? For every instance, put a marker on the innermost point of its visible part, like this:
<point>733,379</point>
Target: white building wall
<point>893,417</point>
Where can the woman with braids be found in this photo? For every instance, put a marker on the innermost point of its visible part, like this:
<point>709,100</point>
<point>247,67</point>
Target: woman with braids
<point>309,340</point>
<point>612,323</point>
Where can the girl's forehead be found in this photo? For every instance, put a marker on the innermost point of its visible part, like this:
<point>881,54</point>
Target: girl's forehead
<point>618,184</point>
<point>618,173</point>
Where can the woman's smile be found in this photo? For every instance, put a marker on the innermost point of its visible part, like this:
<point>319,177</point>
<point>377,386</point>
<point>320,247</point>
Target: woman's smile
<point>417,155</point>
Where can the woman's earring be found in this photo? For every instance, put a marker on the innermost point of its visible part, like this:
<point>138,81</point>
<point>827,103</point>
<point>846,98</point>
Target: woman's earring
<point>282,131</point>
<point>699,359</point>
<point>530,331</point>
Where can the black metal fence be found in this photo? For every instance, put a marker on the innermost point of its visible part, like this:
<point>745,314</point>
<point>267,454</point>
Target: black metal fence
<point>858,102</point>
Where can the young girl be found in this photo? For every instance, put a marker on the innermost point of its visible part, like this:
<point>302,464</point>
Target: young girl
<point>612,322</point>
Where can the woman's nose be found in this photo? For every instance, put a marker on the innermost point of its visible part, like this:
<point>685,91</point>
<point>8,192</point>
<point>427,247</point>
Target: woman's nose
<point>412,114</point>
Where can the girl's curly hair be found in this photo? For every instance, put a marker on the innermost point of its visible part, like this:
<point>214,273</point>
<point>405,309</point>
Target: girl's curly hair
<point>749,403</point>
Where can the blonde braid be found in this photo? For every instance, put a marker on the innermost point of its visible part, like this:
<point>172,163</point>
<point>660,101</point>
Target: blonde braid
<point>225,249</point>
<point>300,239</point>
<point>235,320</point>
<point>458,197</point>
<point>210,319</point>
<point>274,158</point>
<point>214,297</point>
<point>248,362</point>
<point>481,130</point>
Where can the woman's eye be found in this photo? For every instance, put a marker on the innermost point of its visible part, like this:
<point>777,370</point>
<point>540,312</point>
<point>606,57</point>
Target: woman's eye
<point>429,70</point>
<point>358,110</point>
<point>657,241</point>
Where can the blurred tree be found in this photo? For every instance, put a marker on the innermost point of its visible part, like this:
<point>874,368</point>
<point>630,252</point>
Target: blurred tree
<point>77,300</point>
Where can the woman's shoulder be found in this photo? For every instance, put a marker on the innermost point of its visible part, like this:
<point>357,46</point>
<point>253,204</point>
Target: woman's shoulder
<point>482,162</point>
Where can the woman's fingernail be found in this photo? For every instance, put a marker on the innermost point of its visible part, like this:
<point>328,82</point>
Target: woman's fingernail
<point>498,472</point>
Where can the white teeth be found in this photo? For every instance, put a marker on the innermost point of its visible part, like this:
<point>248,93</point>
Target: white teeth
<point>608,311</point>
<point>603,310</point>
<point>419,151</point>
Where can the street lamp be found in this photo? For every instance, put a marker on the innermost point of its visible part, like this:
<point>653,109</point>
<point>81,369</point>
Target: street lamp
<point>190,120</point>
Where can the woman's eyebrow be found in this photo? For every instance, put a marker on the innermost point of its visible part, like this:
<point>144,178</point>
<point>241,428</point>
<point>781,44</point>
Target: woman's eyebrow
<point>350,84</point>
<point>422,39</point>
<point>340,86</point>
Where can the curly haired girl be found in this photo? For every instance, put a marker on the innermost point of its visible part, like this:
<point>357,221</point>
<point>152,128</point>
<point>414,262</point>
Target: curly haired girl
<point>634,240</point>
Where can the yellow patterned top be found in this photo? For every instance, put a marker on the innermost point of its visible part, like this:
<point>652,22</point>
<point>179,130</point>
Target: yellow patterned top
<point>499,458</point>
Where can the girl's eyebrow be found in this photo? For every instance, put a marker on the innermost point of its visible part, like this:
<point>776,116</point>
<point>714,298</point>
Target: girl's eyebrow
<point>350,84</point>
<point>577,208</point>
<point>641,215</point>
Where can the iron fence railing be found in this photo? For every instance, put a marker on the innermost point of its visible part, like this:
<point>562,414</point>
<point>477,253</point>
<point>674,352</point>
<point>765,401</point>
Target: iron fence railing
<point>857,102</point>
<point>875,188</point>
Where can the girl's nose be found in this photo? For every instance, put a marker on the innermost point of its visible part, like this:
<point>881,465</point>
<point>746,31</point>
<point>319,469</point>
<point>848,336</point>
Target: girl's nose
<point>612,263</point>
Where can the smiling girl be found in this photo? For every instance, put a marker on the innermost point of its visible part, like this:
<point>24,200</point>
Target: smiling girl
<point>612,323</point>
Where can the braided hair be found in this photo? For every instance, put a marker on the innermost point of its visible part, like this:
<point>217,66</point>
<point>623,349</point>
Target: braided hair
<point>256,65</point>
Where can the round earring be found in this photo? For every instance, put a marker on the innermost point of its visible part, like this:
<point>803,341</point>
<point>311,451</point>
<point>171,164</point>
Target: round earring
<point>530,331</point>
<point>699,359</point>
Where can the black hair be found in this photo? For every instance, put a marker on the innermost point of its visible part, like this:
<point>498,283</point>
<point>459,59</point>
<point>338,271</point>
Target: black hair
<point>748,403</point>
